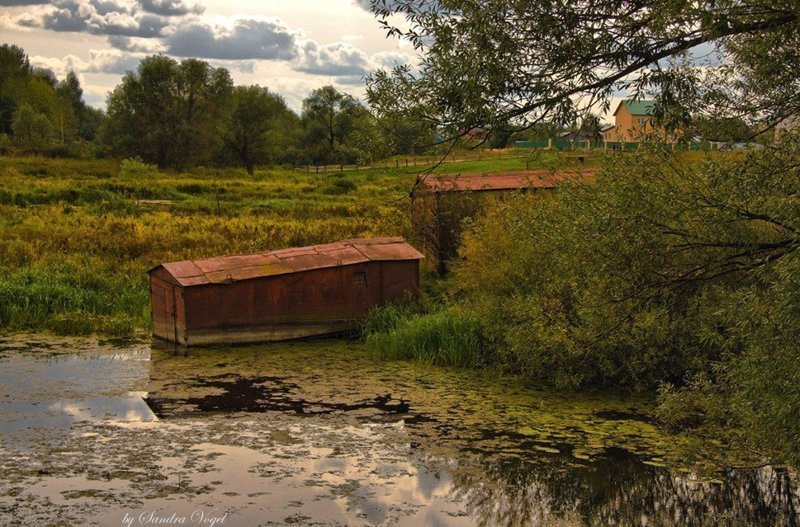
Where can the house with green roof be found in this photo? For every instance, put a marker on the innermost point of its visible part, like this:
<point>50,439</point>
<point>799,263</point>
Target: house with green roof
<point>632,120</point>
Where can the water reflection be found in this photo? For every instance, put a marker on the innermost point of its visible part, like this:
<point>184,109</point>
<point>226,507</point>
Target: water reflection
<point>319,432</point>
<point>18,415</point>
<point>617,489</point>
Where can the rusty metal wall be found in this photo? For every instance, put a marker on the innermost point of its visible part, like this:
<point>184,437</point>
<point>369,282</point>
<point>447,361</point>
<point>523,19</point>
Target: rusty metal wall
<point>340,293</point>
<point>399,279</point>
<point>163,310</point>
<point>272,308</point>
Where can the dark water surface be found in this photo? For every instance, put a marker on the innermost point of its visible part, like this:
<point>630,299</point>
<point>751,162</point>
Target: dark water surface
<point>320,433</point>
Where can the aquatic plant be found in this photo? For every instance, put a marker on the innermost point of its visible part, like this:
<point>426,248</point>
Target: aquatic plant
<point>447,337</point>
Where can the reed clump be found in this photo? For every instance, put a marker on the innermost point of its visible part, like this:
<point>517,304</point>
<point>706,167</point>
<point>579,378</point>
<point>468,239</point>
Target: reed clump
<point>447,338</point>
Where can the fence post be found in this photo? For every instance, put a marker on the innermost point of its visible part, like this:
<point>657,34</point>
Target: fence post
<point>550,143</point>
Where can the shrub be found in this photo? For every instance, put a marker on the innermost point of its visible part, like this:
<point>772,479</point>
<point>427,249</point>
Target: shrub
<point>5,144</point>
<point>135,168</point>
<point>664,270</point>
<point>341,186</point>
<point>447,338</point>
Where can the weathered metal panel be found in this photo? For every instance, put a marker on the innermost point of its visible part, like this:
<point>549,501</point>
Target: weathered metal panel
<point>300,304</point>
<point>180,314</point>
<point>328,289</point>
<point>268,332</point>
<point>476,182</point>
<point>386,252</point>
<point>181,270</point>
<point>163,307</point>
<point>399,279</point>
<point>158,307</point>
<point>228,269</point>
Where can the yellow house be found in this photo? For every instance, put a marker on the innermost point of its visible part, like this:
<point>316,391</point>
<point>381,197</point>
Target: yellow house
<point>632,120</point>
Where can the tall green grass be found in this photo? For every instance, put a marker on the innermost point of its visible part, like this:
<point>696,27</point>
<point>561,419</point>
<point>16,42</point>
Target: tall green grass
<point>72,301</point>
<point>445,338</point>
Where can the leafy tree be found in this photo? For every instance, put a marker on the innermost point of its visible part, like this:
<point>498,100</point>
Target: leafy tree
<point>405,129</point>
<point>404,135</point>
<point>61,102</point>
<point>727,129</point>
<point>169,113</point>
<point>31,129</point>
<point>330,117</point>
<point>256,112</point>
<point>366,142</point>
<point>523,61</point>
<point>72,108</point>
<point>662,271</point>
<point>71,92</point>
<point>90,122</point>
<point>15,70</point>
<point>590,125</point>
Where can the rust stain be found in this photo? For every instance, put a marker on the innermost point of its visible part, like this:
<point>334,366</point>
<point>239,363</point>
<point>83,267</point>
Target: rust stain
<point>523,179</point>
<point>227,269</point>
<point>281,294</point>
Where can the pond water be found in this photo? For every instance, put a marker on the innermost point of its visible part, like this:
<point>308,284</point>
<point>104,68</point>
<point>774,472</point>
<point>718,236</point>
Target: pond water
<point>321,433</point>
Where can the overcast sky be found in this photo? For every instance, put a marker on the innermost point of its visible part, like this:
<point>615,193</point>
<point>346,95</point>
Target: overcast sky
<point>289,46</point>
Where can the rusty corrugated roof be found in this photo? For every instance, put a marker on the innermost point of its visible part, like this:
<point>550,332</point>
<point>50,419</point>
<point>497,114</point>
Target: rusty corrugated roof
<point>227,269</point>
<point>523,179</point>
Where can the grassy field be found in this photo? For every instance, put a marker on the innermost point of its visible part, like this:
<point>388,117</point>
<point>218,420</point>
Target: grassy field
<point>77,237</point>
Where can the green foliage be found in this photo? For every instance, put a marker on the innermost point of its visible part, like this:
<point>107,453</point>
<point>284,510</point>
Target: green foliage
<point>77,262</point>
<point>699,403</point>
<point>256,113</point>
<point>338,128</point>
<point>447,337</point>
<point>404,131</point>
<point>71,299</point>
<point>761,330</point>
<point>341,186</point>
<point>5,144</point>
<point>729,129</point>
<point>31,129</point>
<point>188,113</point>
<point>169,113</point>
<point>135,168</point>
<point>386,318</point>
<point>671,271</point>
<point>60,103</point>
<point>540,60</point>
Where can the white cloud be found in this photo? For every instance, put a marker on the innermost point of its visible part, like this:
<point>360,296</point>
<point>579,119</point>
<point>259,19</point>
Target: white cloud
<point>170,7</point>
<point>98,17</point>
<point>244,39</point>
<point>337,59</point>
<point>15,3</point>
<point>134,44</point>
<point>342,60</point>
<point>100,61</point>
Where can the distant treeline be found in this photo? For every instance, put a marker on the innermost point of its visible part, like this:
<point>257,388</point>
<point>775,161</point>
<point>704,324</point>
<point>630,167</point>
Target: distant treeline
<point>176,114</point>
<point>179,114</point>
